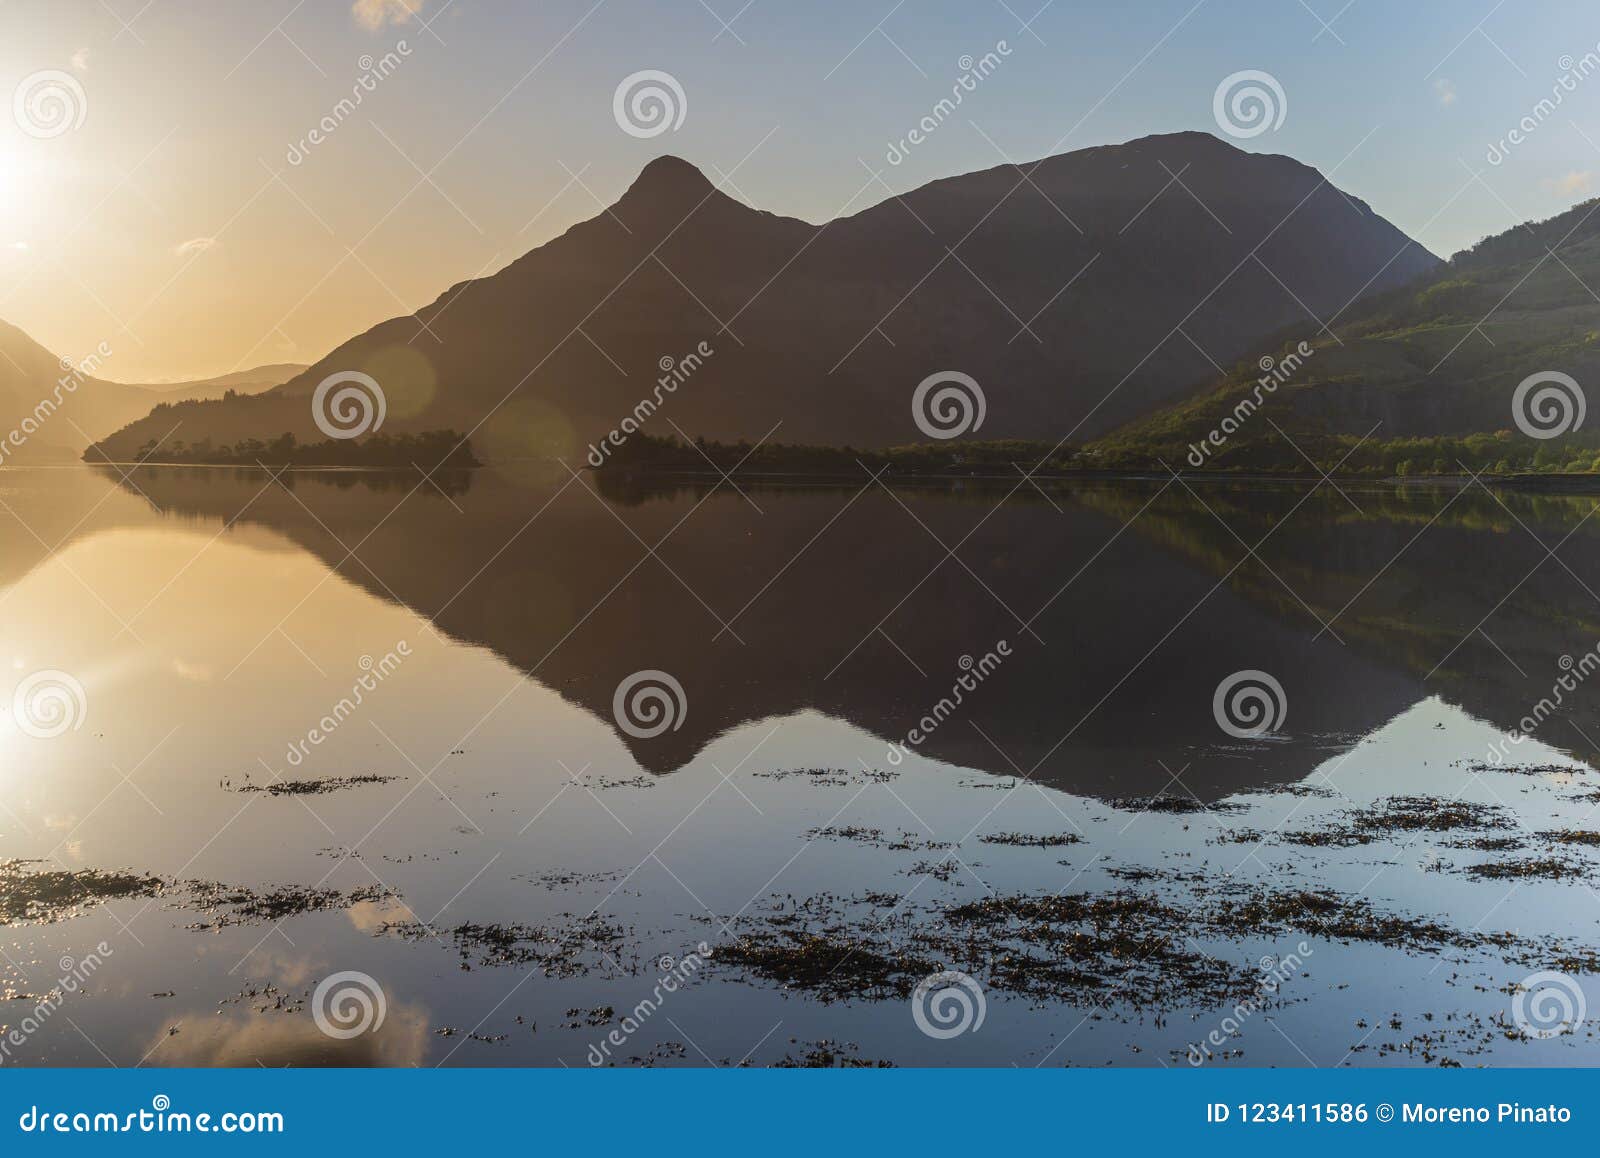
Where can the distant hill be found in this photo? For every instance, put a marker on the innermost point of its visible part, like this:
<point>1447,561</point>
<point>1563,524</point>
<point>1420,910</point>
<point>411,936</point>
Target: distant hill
<point>1054,285</point>
<point>51,410</point>
<point>1432,371</point>
<point>249,381</point>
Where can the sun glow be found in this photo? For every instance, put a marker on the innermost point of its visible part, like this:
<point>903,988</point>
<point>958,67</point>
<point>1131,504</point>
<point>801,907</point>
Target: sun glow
<point>17,179</point>
<point>9,185</point>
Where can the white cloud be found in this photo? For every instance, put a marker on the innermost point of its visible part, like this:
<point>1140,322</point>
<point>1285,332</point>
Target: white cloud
<point>374,14</point>
<point>1446,90</point>
<point>1574,184</point>
<point>195,245</point>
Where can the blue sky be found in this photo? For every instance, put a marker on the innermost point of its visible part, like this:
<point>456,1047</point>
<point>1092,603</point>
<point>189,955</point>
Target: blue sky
<point>507,107</point>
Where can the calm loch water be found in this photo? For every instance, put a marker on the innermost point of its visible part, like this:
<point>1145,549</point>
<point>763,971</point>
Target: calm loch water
<point>343,774</point>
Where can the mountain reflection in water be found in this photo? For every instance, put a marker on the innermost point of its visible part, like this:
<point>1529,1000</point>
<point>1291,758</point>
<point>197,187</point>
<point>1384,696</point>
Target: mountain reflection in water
<point>482,838</point>
<point>1124,605</point>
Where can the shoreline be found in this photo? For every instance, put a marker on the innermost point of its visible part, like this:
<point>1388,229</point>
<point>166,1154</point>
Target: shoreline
<point>1570,483</point>
<point>1577,483</point>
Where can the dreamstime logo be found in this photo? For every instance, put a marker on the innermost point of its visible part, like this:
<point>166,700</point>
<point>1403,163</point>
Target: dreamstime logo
<point>1573,72</point>
<point>1275,372</point>
<point>973,72</point>
<point>1548,1004</point>
<point>75,973</point>
<point>1249,103</point>
<point>373,673</point>
<point>948,404</point>
<point>674,373</point>
<point>649,703</point>
<point>373,73</point>
<point>648,103</point>
<point>1249,704</point>
<point>354,408</point>
<point>73,375</point>
<point>49,104</point>
<point>1574,672</point>
<point>1274,972</point>
<point>973,673</point>
<point>48,704</point>
<point>674,975</point>
<point>948,1004</point>
<point>348,1004</point>
<point>1548,404</point>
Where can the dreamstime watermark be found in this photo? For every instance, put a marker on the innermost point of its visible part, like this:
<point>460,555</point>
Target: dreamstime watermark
<point>159,1119</point>
<point>974,672</point>
<point>1249,704</point>
<point>1548,1004</point>
<point>74,374</point>
<point>648,103</point>
<point>374,71</point>
<point>948,404</point>
<point>374,673</point>
<point>348,404</point>
<point>648,703</point>
<point>674,974</point>
<point>1249,103</point>
<point>1548,404</point>
<point>674,373</point>
<point>1274,972</point>
<point>74,973</point>
<point>48,704</point>
<point>1576,671</point>
<point>948,1004</point>
<point>49,104</point>
<point>1573,73</point>
<point>1274,373</point>
<point>973,72</point>
<point>348,1004</point>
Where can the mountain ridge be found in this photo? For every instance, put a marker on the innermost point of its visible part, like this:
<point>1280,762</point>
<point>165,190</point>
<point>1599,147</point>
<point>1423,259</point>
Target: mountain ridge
<point>1430,371</point>
<point>1045,282</point>
<point>52,408</point>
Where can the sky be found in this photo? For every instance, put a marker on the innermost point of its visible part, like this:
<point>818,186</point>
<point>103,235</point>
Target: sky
<point>161,196</point>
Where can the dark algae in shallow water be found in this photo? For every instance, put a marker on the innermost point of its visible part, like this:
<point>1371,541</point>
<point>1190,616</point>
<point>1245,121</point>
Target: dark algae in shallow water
<point>227,905</point>
<point>1535,868</point>
<point>574,949</point>
<point>1398,815</point>
<point>1172,805</point>
<point>1323,913</point>
<point>834,967</point>
<point>1031,840</point>
<point>51,895</point>
<point>828,1055</point>
<point>311,787</point>
<point>1092,947</point>
<point>1573,836</point>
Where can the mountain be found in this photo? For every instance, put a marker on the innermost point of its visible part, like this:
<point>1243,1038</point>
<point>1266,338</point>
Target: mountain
<point>50,410</point>
<point>250,381</point>
<point>1054,285</point>
<point>1432,372</point>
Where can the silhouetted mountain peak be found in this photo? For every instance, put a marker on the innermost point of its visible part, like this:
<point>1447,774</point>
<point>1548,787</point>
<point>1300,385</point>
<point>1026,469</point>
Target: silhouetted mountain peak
<point>668,184</point>
<point>668,174</point>
<point>1095,256</point>
<point>1187,140</point>
<point>1195,145</point>
<point>667,193</point>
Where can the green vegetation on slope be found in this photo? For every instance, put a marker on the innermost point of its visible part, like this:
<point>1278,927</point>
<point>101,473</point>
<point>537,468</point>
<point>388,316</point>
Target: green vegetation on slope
<point>428,450</point>
<point>646,453</point>
<point>1415,381</point>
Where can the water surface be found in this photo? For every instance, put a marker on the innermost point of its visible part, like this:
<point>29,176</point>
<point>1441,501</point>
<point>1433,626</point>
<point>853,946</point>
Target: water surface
<point>516,871</point>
